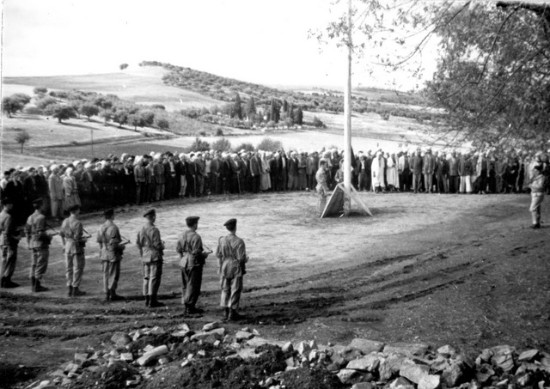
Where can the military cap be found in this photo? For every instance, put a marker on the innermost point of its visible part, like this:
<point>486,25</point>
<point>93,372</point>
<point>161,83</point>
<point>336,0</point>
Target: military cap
<point>150,212</point>
<point>108,213</point>
<point>191,220</point>
<point>73,208</point>
<point>230,224</point>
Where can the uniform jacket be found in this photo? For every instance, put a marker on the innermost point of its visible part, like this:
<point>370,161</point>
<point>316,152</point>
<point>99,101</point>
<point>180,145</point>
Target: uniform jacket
<point>109,239</point>
<point>149,244</point>
<point>189,247</point>
<point>35,230</point>
<point>428,164</point>
<point>416,164</point>
<point>73,233</point>
<point>231,253</point>
<point>9,237</point>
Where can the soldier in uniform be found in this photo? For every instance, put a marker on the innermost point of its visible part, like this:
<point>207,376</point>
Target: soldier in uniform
<point>232,258</point>
<point>322,187</point>
<point>72,235</point>
<point>111,249</point>
<point>151,250</point>
<point>9,241</point>
<point>38,240</point>
<point>193,256</point>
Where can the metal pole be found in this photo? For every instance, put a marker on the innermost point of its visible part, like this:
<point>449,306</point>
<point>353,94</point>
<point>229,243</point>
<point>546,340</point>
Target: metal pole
<point>347,115</point>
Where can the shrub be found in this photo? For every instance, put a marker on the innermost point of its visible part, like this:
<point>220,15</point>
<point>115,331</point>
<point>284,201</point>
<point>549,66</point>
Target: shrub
<point>269,144</point>
<point>40,90</point>
<point>59,94</point>
<point>162,123</point>
<point>318,123</point>
<point>158,106</point>
<point>202,133</point>
<point>32,110</point>
<point>245,146</point>
<point>199,145</point>
<point>219,132</point>
<point>221,145</point>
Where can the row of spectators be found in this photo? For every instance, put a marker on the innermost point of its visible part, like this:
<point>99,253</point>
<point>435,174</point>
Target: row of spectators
<point>99,184</point>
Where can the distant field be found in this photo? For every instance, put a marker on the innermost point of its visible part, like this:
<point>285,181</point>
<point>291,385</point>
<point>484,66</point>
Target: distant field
<point>140,85</point>
<point>47,132</point>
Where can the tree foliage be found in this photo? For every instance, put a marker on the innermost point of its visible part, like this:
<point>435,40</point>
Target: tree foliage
<point>221,144</point>
<point>22,137</point>
<point>60,112</point>
<point>89,110</point>
<point>40,90</point>
<point>199,145</point>
<point>11,105</point>
<point>494,76</point>
<point>45,101</point>
<point>269,144</point>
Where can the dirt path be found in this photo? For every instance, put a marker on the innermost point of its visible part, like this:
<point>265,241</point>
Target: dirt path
<point>464,270</point>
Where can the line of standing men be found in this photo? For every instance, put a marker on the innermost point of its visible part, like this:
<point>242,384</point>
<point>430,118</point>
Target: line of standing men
<point>231,254</point>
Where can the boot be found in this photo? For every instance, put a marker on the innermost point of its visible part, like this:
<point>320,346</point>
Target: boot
<point>226,316</point>
<point>8,283</point>
<point>3,282</point>
<point>38,287</point>
<point>70,291</point>
<point>77,292</point>
<point>115,297</point>
<point>147,301</point>
<point>234,315</point>
<point>33,283</point>
<point>155,303</point>
<point>107,296</point>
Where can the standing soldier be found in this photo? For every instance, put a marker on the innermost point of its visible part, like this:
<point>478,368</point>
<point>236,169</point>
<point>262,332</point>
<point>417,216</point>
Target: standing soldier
<point>38,240</point>
<point>151,249</point>
<point>111,249</point>
<point>72,235</point>
<point>232,260</point>
<point>537,185</point>
<point>192,256</point>
<point>9,242</point>
<point>322,186</point>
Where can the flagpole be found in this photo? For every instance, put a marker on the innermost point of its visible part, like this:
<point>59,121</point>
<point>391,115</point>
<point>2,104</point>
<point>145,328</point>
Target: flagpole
<point>347,115</point>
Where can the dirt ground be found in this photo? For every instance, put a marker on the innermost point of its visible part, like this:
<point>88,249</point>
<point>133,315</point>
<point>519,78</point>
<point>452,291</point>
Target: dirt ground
<point>458,269</point>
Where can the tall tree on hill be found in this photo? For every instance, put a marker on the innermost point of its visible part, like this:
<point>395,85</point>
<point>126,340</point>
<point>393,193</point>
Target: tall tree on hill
<point>275,111</point>
<point>298,116</point>
<point>135,120</point>
<point>237,109</point>
<point>120,116</point>
<point>22,137</point>
<point>11,105</point>
<point>250,109</point>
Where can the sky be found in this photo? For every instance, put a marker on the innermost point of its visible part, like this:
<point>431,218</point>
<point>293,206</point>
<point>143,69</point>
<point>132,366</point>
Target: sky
<point>258,41</point>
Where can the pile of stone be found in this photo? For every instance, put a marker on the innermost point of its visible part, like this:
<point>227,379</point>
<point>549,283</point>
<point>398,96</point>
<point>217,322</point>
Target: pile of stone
<point>132,359</point>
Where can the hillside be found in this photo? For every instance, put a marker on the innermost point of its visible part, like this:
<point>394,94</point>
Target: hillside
<point>141,85</point>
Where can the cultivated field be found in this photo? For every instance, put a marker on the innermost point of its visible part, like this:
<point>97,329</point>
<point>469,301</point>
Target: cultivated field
<point>463,270</point>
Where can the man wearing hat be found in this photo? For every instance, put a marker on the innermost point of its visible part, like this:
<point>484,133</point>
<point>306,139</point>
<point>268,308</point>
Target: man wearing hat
<point>72,235</point>
<point>192,257</point>
<point>151,250</point>
<point>322,184</point>
<point>9,240</point>
<point>232,258</point>
<point>111,250</point>
<point>537,185</point>
<point>38,240</point>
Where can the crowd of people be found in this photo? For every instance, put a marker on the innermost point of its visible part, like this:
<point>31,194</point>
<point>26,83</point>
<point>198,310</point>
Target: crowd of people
<point>97,184</point>
<point>31,195</point>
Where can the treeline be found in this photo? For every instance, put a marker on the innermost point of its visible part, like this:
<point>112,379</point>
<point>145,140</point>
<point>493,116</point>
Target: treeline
<point>64,105</point>
<point>224,89</point>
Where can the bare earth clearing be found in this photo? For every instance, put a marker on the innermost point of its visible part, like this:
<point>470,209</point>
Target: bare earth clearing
<point>464,270</point>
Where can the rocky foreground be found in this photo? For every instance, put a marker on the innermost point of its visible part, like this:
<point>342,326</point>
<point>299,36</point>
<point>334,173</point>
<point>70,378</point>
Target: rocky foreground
<point>212,358</point>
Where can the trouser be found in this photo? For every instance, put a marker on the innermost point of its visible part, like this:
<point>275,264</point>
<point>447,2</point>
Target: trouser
<point>231,292</point>
<point>183,186</point>
<point>57,209</point>
<point>417,182</point>
<point>152,273</point>
<point>191,280</point>
<point>323,193</point>
<point>465,184</point>
<point>200,185</point>
<point>453,184</point>
<point>428,182</point>
<point>111,274</point>
<point>536,205</point>
<point>74,267</point>
<point>501,184</point>
<point>140,187</point>
<point>256,184</point>
<point>9,259</point>
<point>292,182</point>
<point>364,181</point>
<point>159,192</point>
<point>39,262</point>
<point>151,190</point>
